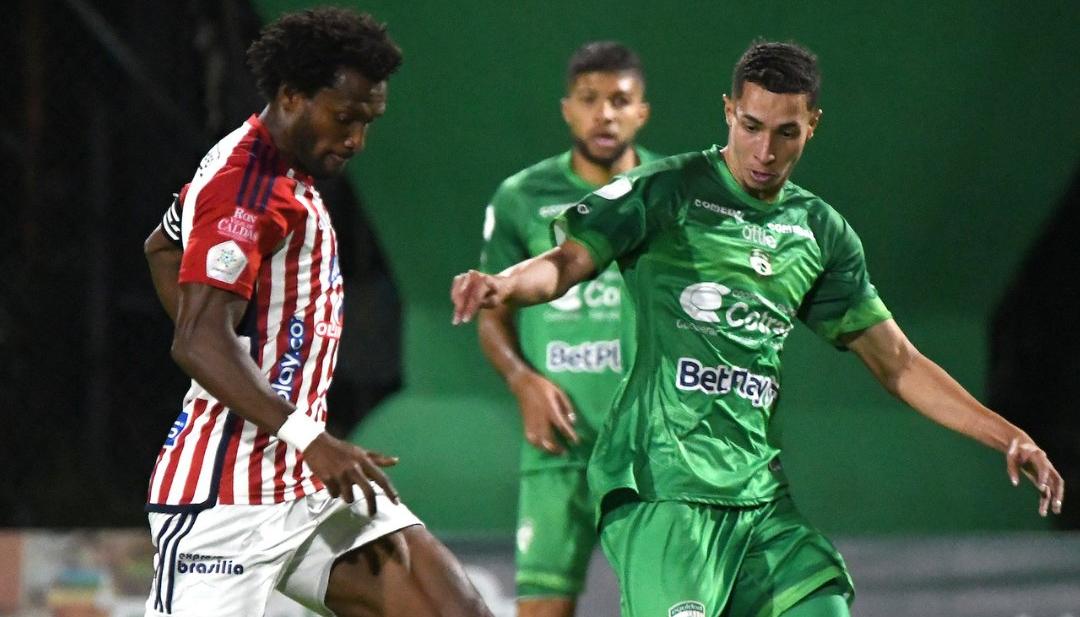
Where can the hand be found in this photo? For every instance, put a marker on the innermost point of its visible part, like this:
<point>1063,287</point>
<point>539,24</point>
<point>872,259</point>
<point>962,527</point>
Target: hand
<point>1023,455</point>
<point>544,406</point>
<point>340,465</point>
<point>473,290</point>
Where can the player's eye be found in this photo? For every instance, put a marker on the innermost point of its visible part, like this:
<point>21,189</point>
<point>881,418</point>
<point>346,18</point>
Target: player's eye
<point>750,128</point>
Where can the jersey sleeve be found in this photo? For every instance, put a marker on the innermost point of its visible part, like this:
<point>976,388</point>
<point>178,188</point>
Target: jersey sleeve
<point>504,244</point>
<point>842,300</point>
<point>225,244</point>
<point>609,222</point>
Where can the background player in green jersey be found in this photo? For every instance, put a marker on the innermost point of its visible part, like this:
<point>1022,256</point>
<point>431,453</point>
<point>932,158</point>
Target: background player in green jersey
<point>563,360</point>
<point>720,254</point>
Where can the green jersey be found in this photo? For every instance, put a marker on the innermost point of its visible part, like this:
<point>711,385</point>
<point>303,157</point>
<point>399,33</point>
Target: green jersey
<point>576,341</point>
<point>717,279</point>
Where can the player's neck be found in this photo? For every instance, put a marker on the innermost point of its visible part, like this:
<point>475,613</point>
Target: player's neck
<point>273,122</point>
<point>598,174</point>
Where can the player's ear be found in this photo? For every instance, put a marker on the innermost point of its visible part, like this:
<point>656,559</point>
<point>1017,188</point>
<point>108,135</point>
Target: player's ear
<point>564,106</point>
<point>644,111</point>
<point>289,99</point>
<point>815,117</point>
<point>729,111</point>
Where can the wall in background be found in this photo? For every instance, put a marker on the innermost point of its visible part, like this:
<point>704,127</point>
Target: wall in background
<point>948,135</point>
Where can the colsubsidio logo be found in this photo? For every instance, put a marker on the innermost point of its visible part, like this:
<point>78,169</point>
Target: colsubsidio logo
<point>688,608</point>
<point>191,563</point>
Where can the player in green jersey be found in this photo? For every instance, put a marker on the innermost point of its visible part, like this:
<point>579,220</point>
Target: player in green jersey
<point>563,360</point>
<point>720,253</point>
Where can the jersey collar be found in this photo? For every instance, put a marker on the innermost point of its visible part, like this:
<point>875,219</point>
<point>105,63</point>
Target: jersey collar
<point>566,158</point>
<point>720,168</point>
<point>290,172</point>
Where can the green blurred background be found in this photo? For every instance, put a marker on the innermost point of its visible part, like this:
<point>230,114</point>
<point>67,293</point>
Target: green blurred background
<point>948,136</point>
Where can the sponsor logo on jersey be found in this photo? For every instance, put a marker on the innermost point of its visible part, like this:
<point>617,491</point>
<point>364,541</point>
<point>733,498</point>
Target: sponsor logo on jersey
<point>191,563</point>
<point>177,427</point>
<point>687,608</point>
<point>759,235</point>
<point>225,262</point>
<point>240,226</point>
<point>614,189</point>
<point>718,209</point>
<point>291,361</point>
<point>588,357</point>
<point>788,228</point>
<point>724,379</point>
<point>759,261</point>
<point>597,293</point>
<point>704,302</point>
<point>550,212</point>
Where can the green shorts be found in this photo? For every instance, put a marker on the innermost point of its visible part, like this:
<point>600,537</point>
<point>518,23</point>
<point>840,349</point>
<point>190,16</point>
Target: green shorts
<point>680,559</point>
<point>556,533</point>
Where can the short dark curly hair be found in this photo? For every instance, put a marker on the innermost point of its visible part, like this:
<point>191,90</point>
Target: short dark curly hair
<point>605,57</point>
<point>783,68</point>
<point>305,50</point>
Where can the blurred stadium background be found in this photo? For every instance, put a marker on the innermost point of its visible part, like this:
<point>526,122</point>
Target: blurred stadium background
<point>949,140</point>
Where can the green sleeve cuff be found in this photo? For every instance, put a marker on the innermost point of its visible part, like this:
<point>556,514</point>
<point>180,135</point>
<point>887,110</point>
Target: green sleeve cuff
<point>594,242</point>
<point>870,311</point>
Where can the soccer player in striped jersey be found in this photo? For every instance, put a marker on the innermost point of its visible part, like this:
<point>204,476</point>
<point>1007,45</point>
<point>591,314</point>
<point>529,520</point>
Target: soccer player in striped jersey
<point>563,360</point>
<point>249,492</point>
<point>721,253</point>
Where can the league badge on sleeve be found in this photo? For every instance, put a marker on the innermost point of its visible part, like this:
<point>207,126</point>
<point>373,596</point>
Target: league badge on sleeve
<point>225,262</point>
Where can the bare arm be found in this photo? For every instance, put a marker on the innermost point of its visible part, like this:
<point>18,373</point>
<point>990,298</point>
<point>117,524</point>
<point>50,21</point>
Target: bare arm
<point>543,404</point>
<point>163,257</point>
<point>206,346</point>
<point>926,387</point>
<point>539,279</point>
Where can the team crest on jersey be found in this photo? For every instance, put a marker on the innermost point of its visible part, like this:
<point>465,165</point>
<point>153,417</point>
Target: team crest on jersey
<point>687,608</point>
<point>759,261</point>
<point>225,262</point>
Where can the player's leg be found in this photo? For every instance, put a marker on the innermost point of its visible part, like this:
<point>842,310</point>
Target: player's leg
<point>672,558</point>
<point>790,569</point>
<point>406,574</point>
<point>386,566</point>
<point>555,539</point>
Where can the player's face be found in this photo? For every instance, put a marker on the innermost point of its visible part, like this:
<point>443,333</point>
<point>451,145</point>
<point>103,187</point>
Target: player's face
<point>331,126</point>
<point>767,134</point>
<point>604,112</point>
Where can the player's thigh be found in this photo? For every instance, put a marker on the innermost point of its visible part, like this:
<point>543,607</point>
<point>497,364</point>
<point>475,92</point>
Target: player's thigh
<point>788,561</point>
<point>672,558</point>
<point>222,560</point>
<point>347,527</point>
<point>408,573</point>
<point>556,534</point>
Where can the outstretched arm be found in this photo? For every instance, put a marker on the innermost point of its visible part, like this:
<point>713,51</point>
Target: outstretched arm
<point>544,406</point>
<point>540,279</point>
<point>925,386</point>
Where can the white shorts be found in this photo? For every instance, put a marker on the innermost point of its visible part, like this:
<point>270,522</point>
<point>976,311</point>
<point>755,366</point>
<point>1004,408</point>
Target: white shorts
<point>227,560</point>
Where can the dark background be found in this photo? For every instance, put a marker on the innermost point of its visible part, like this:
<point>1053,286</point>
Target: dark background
<point>949,140</point>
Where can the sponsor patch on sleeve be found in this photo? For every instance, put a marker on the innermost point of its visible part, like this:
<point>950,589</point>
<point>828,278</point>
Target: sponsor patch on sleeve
<point>615,189</point>
<point>225,262</point>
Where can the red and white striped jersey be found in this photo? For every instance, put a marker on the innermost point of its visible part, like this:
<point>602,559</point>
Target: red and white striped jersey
<point>254,227</point>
